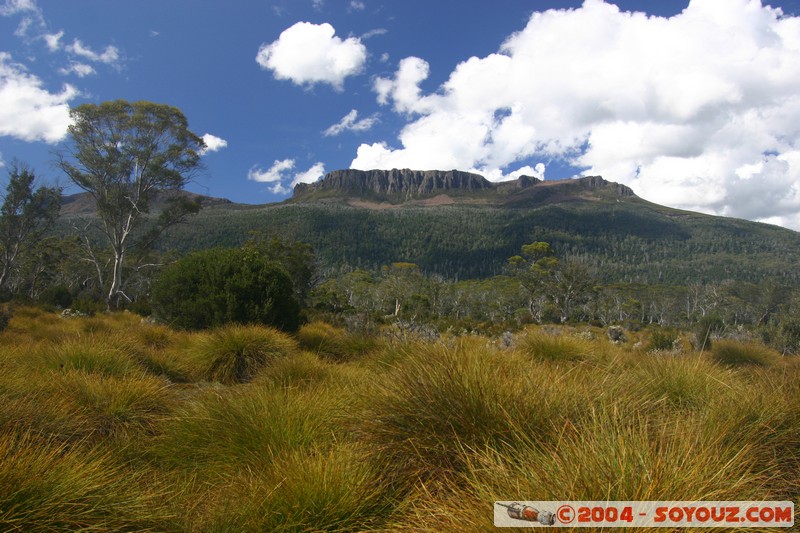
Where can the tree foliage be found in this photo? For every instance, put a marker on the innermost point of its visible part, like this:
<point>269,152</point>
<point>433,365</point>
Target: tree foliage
<point>126,154</point>
<point>26,215</point>
<point>219,286</point>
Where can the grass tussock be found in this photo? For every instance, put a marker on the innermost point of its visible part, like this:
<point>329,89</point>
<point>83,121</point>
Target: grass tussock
<point>445,398</point>
<point>733,353</point>
<point>235,353</point>
<point>50,487</point>
<point>335,343</point>
<point>301,370</point>
<point>311,490</point>
<point>689,381</point>
<point>107,354</point>
<point>563,348</point>
<point>223,430</point>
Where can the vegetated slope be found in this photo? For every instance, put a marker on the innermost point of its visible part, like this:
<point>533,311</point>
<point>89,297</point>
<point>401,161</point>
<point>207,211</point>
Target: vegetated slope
<point>455,225</point>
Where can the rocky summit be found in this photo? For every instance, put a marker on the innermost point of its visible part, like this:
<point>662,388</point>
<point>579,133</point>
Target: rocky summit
<point>398,186</point>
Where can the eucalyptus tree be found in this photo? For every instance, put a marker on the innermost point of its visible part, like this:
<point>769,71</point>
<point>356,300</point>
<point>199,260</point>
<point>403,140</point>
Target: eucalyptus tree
<point>126,155</point>
<point>27,213</point>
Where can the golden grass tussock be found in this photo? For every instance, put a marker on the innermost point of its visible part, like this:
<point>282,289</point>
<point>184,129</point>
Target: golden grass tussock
<point>235,353</point>
<point>48,486</point>
<point>307,490</point>
<point>461,395</point>
<point>223,430</point>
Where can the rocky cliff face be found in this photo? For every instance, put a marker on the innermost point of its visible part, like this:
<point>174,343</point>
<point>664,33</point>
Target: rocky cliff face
<point>400,185</point>
<point>403,184</point>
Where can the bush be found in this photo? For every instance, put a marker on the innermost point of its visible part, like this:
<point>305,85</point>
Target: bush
<point>57,296</point>
<point>707,327</point>
<point>219,286</point>
<point>662,340</point>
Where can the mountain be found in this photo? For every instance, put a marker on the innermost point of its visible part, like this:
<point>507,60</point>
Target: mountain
<point>377,188</point>
<point>82,204</point>
<point>460,225</point>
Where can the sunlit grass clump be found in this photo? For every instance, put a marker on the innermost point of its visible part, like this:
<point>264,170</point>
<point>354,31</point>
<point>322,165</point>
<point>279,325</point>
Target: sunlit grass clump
<point>546,347</point>
<point>223,430</point>
<point>442,399</point>
<point>235,353</point>
<point>47,486</point>
<point>309,490</point>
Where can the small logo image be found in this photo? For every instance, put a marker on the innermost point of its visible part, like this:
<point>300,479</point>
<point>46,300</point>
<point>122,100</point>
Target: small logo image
<point>527,513</point>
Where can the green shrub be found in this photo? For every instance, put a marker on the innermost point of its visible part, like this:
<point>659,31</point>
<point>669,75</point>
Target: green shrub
<point>706,329</point>
<point>57,295</point>
<point>661,340</point>
<point>219,286</point>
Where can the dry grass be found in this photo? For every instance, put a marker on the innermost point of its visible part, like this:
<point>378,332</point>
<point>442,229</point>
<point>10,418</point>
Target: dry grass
<point>111,424</point>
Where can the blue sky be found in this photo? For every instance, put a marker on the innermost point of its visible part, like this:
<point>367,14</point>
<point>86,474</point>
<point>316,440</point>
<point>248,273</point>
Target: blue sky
<point>694,105</point>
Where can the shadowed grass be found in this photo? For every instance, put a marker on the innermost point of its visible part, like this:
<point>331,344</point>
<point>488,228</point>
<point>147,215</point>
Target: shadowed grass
<point>235,354</point>
<point>733,353</point>
<point>301,370</point>
<point>334,343</point>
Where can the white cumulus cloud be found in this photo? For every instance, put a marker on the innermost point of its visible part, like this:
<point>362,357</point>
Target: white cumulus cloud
<point>350,122</point>
<point>109,56</point>
<point>308,54</point>
<point>79,69</point>
<point>27,110</point>
<point>213,143</point>
<point>273,173</point>
<point>309,176</point>
<point>282,178</point>
<point>697,111</point>
<point>53,40</point>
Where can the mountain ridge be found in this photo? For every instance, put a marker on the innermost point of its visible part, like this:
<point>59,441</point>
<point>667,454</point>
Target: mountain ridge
<point>399,186</point>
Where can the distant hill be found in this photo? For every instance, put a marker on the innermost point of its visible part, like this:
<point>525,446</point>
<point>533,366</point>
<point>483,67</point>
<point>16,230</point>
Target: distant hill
<point>460,225</point>
<point>82,204</point>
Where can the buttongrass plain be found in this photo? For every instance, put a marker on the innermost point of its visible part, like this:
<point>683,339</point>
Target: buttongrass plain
<point>112,423</point>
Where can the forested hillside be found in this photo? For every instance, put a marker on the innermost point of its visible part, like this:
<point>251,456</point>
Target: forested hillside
<point>626,241</point>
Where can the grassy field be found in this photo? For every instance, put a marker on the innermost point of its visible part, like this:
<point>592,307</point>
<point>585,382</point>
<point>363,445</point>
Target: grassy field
<point>108,423</point>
